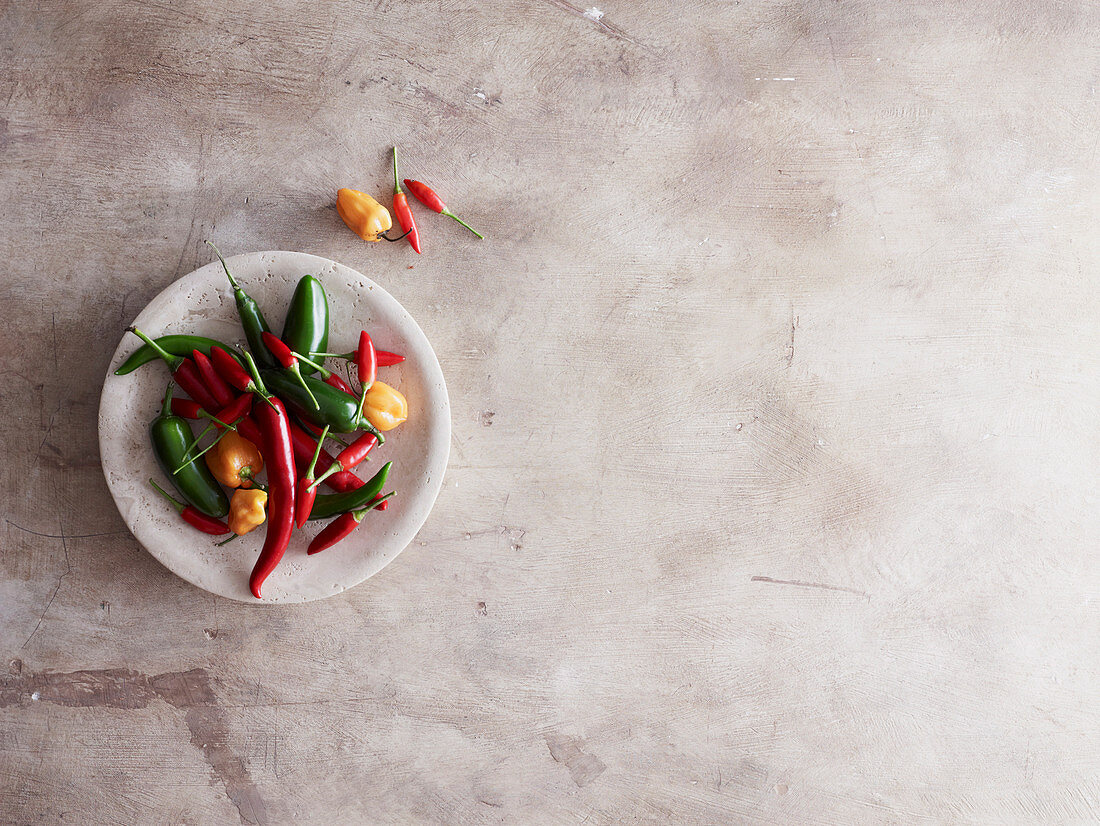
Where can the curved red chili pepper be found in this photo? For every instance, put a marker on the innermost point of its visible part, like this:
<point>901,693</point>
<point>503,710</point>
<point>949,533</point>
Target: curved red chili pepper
<point>339,383</point>
<point>278,452</point>
<point>366,361</point>
<point>188,378</point>
<point>343,525</point>
<point>186,408</point>
<point>223,394</point>
<point>402,211</point>
<point>278,349</point>
<point>427,196</point>
<point>193,516</point>
<point>228,368</point>
<point>357,451</point>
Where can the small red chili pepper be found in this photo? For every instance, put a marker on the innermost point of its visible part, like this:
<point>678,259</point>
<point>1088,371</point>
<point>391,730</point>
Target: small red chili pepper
<point>186,408</point>
<point>306,493</point>
<point>343,525</point>
<point>402,211</point>
<point>339,383</point>
<point>366,360</point>
<point>223,394</point>
<point>288,360</point>
<point>278,453</point>
<point>193,516</point>
<point>357,451</point>
<point>232,372</point>
<point>383,357</point>
<point>184,372</point>
<point>427,196</point>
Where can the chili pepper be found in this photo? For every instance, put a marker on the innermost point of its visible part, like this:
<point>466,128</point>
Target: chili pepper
<point>235,462</point>
<point>246,510</point>
<point>343,525</point>
<point>183,370</point>
<point>349,457</point>
<point>366,360</point>
<point>426,195</point>
<point>223,394</point>
<point>306,327</point>
<point>385,407</point>
<point>192,515</point>
<point>333,380</point>
<point>252,318</point>
<point>364,216</point>
<point>233,373</point>
<point>383,357</point>
<point>169,435</point>
<point>304,447</point>
<point>336,408</point>
<point>187,409</point>
<point>177,345</point>
<point>274,423</point>
<point>401,209</point>
<point>306,492</point>
<point>288,360</point>
<point>330,504</point>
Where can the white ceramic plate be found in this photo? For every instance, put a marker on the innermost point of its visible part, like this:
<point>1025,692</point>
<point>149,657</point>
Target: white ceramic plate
<point>202,303</point>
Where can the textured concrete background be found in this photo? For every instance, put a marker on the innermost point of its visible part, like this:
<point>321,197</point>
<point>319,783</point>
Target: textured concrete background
<point>772,495</point>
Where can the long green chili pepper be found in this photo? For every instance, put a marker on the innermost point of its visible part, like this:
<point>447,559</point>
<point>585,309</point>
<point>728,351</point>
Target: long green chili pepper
<point>335,408</point>
<point>177,345</point>
<point>252,318</point>
<point>332,504</point>
<point>306,327</point>
<point>170,436</point>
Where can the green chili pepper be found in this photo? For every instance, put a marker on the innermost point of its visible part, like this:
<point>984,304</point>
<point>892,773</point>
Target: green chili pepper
<point>306,328</point>
<point>170,436</point>
<point>332,504</point>
<point>335,408</point>
<point>252,319</point>
<point>176,345</point>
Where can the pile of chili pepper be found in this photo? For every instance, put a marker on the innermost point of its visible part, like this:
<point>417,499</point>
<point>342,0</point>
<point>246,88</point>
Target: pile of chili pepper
<point>269,408</point>
<point>370,220</point>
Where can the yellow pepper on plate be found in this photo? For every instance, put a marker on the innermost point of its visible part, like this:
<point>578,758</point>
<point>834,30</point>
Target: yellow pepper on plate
<point>385,407</point>
<point>234,461</point>
<point>246,510</point>
<point>364,216</point>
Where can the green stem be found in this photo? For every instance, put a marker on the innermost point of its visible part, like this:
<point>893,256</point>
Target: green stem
<point>176,503</point>
<point>297,371</point>
<point>359,514</point>
<point>172,361</point>
<point>317,453</point>
<point>362,401</point>
<point>166,405</point>
<point>396,183</point>
<point>311,363</point>
<point>254,370</point>
<point>450,214</point>
<point>227,541</point>
<point>232,280</point>
<point>199,455</point>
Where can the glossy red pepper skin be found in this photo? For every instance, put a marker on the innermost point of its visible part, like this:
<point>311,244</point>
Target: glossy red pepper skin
<point>406,219</point>
<point>335,381</point>
<point>278,452</point>
<point>366,361</point>
<point>188,378</point>
<point>234,410</point>
<point>206,524</point>
<point>385,359</point>
<point>279,350</point>
<point>304,445</point>
<point>248,428</point>
<point>186,408</point>
<point>427,196</point>
<point>357,451</point>
<point>223,394</point>
<point>335,531</point>
<point>230,370</point>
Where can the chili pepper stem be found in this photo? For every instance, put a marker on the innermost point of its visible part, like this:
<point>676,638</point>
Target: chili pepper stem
<point>311,363</point>
<point>259,382</point>
<point>227,541</point>
<point>297,371</point>
<point>317,453</point>
<point>214,422</point>
<point>166,405</point>
<point>359,514</point>
<point>335,467</point>
<point>451,215</point>
<point>398,238</point>
<point>172,361</point>
<point>176,503</point>
<point>232,281</point>
<point>199,455</point>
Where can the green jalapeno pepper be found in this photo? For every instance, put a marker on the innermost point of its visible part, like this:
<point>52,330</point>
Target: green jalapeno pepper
<point>252,319</point>
<point>335,408</point>
<point>305,330</point>
<point>174,344</point>
<point>332,504</point>
<point>171,436</point>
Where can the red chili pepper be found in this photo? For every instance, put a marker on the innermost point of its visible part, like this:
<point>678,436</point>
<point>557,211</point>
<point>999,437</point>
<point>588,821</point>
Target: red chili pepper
<point>285,356</point>
<point>186,408</point>
<point>193,516</point>
<point>427,196</point>
<point>357,451</point>
<point>278,452</point>
<point>223,394</point>
<point>230,370</point>
<point>304,446</point>
<point>235,409</point>
<point>402,211</point>
<point>306,493</point>
<point>188,378</point>
<point>339,383</point>
<point>366,361</point>
<point>248,428</point>
<point>343,525</point>
<point>385,359</point>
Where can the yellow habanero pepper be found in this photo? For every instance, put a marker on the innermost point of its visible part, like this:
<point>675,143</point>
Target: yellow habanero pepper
<point>246,510</point>
<point>364,216</point>
<point>234,461</point>
<point>385,407</point>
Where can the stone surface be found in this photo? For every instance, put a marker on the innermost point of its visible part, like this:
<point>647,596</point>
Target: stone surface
<point>772,487</point>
